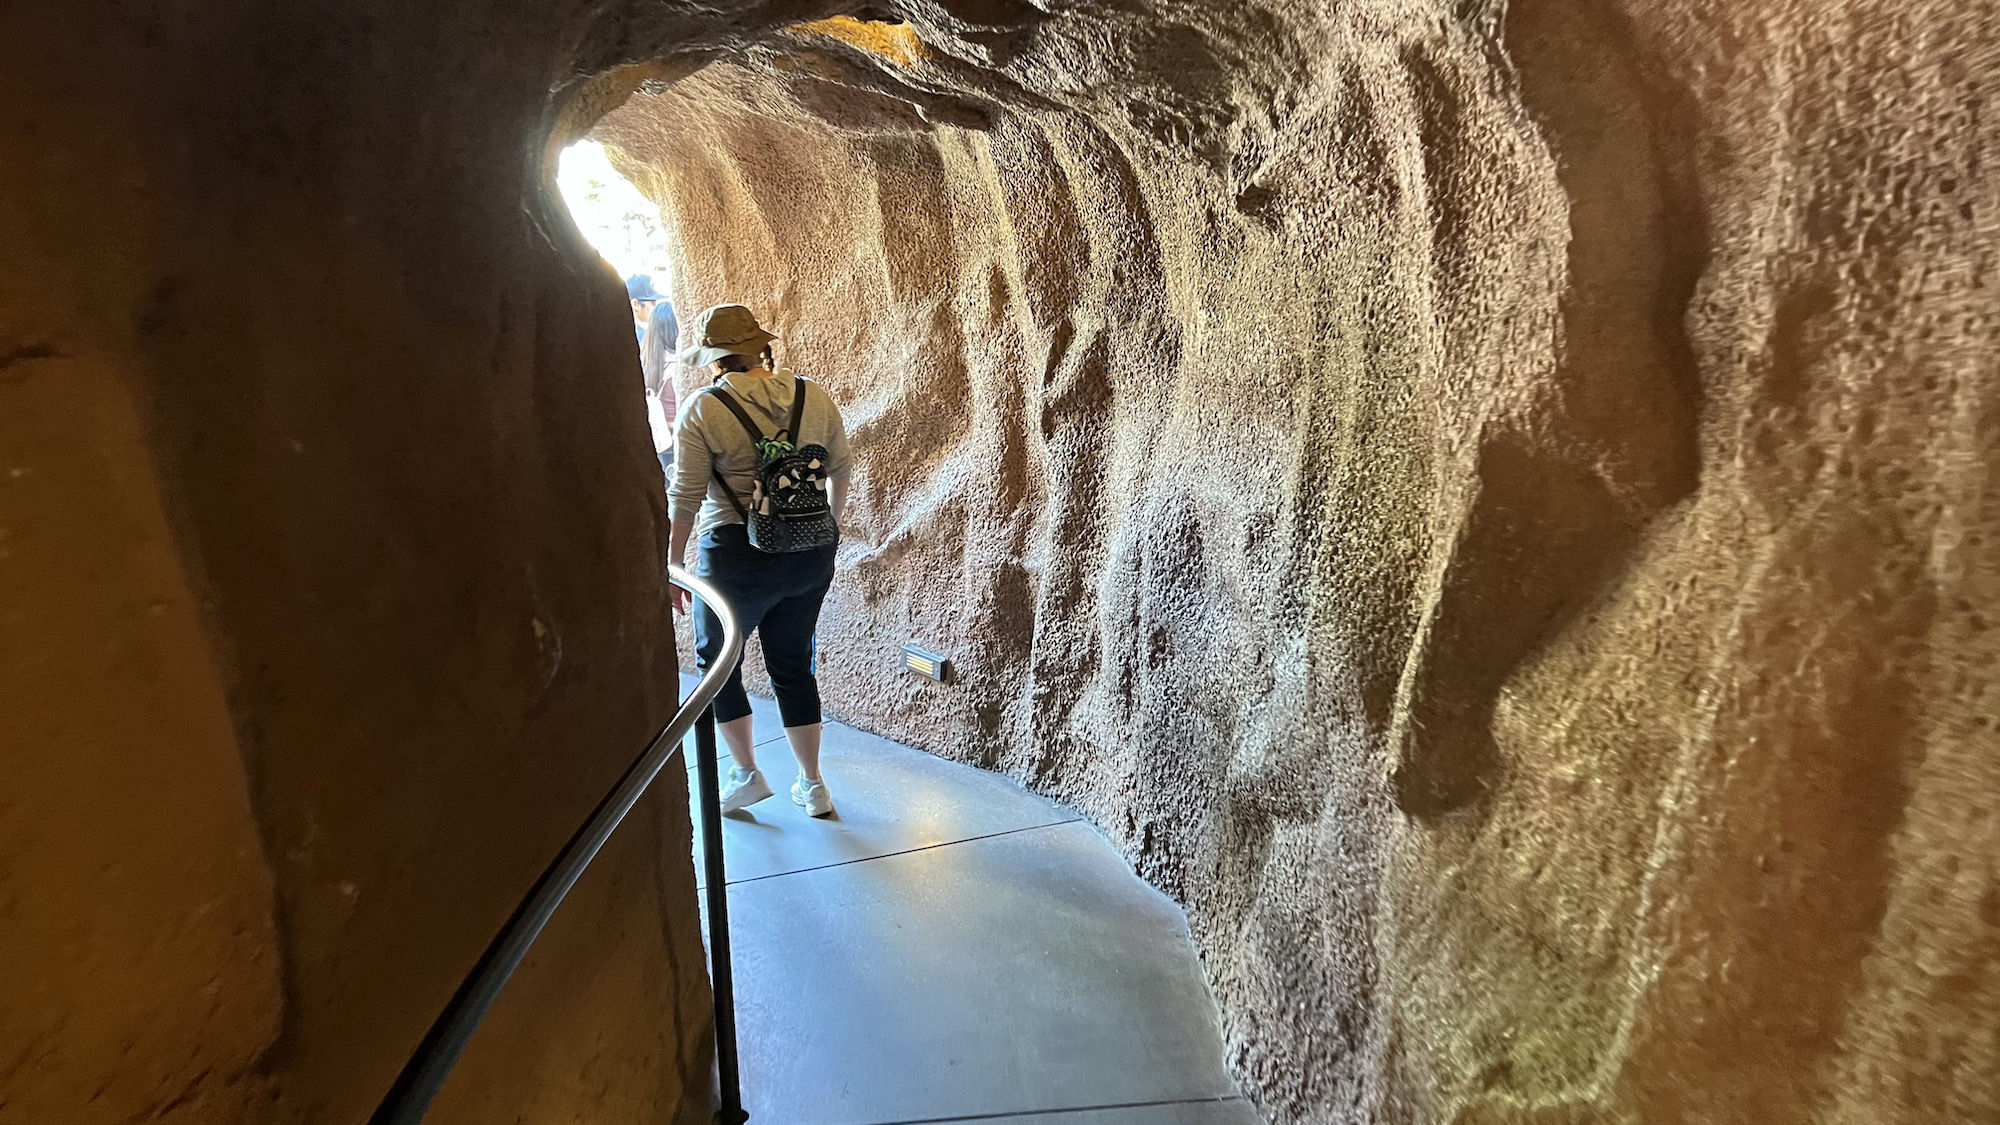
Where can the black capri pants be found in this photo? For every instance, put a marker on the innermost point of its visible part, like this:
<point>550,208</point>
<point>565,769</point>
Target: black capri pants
<point>779,597</point>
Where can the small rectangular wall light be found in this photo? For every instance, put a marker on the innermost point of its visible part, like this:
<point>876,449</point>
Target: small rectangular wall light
<point>926,663</point>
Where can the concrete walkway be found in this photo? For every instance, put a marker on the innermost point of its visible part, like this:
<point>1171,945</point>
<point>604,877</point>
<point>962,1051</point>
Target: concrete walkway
<point>949,947</point>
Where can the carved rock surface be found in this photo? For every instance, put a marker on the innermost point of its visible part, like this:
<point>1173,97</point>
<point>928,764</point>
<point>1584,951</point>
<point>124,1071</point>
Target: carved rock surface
<point>1491,509</point>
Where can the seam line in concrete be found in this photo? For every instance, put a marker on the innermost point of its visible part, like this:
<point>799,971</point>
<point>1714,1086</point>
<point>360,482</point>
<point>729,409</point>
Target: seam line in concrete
<point>722,752</point>
<point>905,851</point>
<point>1064,1109</point>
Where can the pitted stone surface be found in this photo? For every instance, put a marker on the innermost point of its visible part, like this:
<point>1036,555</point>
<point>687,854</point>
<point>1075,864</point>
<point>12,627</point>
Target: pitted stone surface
<point>1488,507</point>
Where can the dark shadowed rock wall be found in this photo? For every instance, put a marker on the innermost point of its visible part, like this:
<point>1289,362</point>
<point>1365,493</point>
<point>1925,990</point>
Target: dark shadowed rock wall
<point>330,599</point>
<point>1492,508</point>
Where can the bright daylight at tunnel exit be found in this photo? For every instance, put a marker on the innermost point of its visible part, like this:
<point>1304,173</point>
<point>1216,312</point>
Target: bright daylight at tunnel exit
<point>628,232</point>
<point>1157,562</point>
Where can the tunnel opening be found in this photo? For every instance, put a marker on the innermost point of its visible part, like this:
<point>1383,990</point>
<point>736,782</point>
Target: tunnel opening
<point>629,234</point>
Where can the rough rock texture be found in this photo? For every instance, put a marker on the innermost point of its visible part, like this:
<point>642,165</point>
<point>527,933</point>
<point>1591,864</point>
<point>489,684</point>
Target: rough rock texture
<point>330,593</point>
<point>1490,505</point>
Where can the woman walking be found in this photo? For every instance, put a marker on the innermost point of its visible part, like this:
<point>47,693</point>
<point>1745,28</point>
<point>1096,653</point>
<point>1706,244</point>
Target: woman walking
<point>760,481</point>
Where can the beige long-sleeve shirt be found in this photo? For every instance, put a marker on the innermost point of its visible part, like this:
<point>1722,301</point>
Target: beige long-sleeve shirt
<point>708,439</point>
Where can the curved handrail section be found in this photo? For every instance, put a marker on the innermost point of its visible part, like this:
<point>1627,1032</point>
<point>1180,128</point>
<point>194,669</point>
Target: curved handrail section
<point>424,1075</point>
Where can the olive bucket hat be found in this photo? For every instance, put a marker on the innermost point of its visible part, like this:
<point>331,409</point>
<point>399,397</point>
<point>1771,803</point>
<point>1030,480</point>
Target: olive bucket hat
<point>725,330</point>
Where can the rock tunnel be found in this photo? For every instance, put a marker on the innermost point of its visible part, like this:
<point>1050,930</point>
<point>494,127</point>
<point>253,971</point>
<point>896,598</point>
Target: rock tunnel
<point>1489,505</point>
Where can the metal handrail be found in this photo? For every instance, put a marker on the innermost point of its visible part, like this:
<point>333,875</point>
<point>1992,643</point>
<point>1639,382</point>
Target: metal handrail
<point>410,1097</point>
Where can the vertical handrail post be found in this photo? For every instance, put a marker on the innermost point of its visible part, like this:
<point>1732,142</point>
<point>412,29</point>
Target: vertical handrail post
<point>417,1084</point>
<point>722,982</point>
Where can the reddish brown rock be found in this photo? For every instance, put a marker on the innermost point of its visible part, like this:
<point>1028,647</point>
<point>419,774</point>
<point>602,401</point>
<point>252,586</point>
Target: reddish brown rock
<point>330,555</point>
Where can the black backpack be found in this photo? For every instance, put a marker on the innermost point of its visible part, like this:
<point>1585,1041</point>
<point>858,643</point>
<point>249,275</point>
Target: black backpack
<point>788,510</point>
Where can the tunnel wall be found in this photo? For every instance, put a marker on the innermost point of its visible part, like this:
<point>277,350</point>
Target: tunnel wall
<point>1489,507</point>
<point>330,598</point>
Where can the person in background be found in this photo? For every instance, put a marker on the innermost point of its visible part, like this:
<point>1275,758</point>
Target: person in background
<point>778,595</point>
<point>660,416</point>
<point>659,333</point>
<point>639,287</point>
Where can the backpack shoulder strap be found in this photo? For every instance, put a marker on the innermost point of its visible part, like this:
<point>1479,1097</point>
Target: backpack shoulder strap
<point>736,408</point>
<point>798,408</point>
<point>749,427</point>
<point>735,501</point>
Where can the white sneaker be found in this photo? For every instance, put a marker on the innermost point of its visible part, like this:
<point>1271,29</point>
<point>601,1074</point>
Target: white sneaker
<point>743,788</point>
<point>811,795</point>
